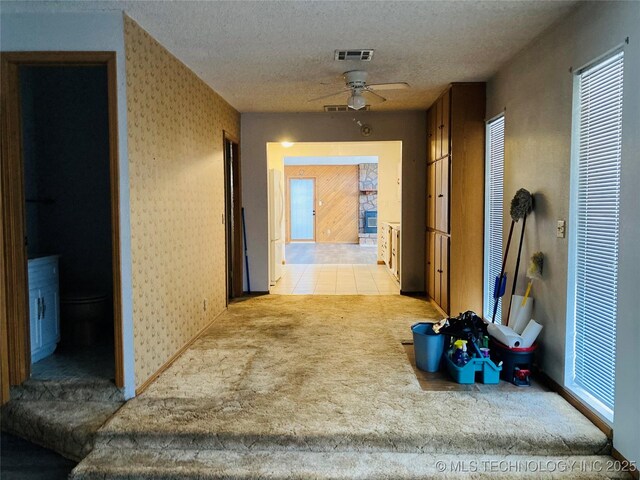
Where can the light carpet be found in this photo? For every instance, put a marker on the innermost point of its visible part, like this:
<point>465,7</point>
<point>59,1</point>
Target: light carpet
<point>279,384</point>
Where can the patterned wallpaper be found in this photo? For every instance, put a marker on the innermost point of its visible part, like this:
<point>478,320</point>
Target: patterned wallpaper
<point>175,128</point>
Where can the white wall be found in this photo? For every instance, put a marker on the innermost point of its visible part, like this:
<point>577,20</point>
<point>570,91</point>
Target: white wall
<point>260,128</point>
<point>87,32</point>
<point>536,90</point>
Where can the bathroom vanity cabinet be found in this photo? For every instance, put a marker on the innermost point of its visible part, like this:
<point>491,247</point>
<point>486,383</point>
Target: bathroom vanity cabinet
<point>44,306</point>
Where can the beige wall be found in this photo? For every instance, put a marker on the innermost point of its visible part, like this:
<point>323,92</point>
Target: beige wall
<point>258,129</point>
<point>176,172</point>
<point>536,89</point>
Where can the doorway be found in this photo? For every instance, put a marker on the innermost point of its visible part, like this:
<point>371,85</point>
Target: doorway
<point>302,210</point>
<point>233,217</point>
<point>342,222</point>
<point>60,210</point>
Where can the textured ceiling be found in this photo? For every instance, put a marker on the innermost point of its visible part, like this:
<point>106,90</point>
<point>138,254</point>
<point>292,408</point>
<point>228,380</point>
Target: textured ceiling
<point>273,56</point>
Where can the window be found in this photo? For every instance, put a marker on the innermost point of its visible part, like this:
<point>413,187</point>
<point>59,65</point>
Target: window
<point>493,213</point>
<point>593,257</point>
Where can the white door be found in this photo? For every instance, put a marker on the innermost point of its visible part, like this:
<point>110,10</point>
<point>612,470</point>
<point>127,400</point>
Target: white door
<point>303,210</point>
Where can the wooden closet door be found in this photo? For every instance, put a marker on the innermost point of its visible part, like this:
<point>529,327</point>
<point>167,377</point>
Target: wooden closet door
<point>443,196</point>
<point>444,123</point>
<point>437,257</point>
<point>431,195</point>
<point>431,264</point>
<point>431,134</point>
<point>438,129</point>
<point>444,273</point>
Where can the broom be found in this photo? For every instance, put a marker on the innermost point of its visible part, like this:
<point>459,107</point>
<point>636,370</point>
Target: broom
<point>521,204</point>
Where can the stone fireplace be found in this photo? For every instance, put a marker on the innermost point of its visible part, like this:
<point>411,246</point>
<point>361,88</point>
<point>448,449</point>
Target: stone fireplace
<point>368,185</point>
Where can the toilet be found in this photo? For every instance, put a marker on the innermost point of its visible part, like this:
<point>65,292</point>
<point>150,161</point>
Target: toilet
<point>82,315</point>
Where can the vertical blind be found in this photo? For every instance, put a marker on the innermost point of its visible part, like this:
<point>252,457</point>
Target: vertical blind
<point>493,218</point>
<point>597,226</point>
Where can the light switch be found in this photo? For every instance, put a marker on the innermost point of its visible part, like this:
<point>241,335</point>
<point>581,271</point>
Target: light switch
<point>561,229</point>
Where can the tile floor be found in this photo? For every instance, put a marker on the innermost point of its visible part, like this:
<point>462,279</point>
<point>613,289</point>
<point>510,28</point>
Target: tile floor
<point>335,279</point>
<point>330,253</point>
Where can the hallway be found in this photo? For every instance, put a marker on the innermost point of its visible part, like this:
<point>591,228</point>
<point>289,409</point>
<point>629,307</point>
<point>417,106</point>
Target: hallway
<point>301,387</point>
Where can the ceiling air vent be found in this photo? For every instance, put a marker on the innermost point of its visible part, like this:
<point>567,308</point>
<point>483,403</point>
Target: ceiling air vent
<point>342,108</point>
<point>358,55</point>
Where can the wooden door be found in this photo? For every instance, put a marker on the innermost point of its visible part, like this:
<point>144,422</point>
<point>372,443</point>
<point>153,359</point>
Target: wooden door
<point>444,124</point>
<point>438,130</point>
<point>443,196</point>
<point>431,264</point>
<point>432,130</point>
<point>437,257</point>
<point>444,273</point>
<point>431,195</point>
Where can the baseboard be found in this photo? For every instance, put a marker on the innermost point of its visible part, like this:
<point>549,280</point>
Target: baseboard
<point>175,356</point>
<point>635,473</point>
<point>576,403</point>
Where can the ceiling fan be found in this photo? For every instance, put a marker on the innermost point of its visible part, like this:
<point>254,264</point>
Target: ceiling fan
<point>356,85</point>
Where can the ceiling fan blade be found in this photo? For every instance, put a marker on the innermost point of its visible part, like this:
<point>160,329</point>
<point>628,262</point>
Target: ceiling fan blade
<point>389,86</point>
<point>370,94</point>
<point>341,92</point>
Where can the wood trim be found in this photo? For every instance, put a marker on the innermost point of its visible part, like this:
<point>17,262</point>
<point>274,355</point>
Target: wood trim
<point>238,241</point>
<point>4,344</point>
<point>114,185</point>
<point>18,355</point>
<point>15,261</point>
<point>175,356</point>
<point>635,473</point>
<point>576,403</point>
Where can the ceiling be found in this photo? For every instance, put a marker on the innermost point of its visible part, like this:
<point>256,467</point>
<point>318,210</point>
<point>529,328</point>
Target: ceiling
<point>331,160</point>
<point>273,56</point>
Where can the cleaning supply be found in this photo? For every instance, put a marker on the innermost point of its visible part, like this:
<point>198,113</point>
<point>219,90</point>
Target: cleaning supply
<point>534,272</point>
<point>460,354</point>
<point>521,205</point>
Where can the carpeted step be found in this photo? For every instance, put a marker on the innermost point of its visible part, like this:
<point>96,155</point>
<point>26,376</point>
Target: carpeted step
<point>113,464</point>
<point>73,390</point>
<point>68,428</point>
<point>448,423</point>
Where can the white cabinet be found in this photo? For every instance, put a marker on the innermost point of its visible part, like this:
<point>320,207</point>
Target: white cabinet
<point>394,265</point>
<point>390,247</point>
<point>44,306</point>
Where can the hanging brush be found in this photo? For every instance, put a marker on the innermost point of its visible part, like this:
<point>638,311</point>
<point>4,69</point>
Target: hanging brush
<point>534,272</point>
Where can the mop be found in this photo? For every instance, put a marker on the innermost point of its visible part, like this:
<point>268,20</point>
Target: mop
<point>521,205</point>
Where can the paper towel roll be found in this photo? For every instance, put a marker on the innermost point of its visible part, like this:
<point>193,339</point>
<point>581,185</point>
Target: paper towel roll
<point>520,316</point>
<point>504,335</point>
<point>530,333</point>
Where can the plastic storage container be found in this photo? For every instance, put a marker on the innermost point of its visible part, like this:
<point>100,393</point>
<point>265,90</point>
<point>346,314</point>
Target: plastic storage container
<point>512,358</point>
<point>428,346</point>
<point>489,371</point>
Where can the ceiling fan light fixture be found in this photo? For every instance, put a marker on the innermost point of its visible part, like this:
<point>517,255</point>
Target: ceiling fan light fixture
<point>356,101</point>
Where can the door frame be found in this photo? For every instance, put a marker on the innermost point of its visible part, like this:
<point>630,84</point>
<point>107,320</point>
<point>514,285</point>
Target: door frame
<point>233,256</point>
<point>315,203</point>
<point>14,317</point>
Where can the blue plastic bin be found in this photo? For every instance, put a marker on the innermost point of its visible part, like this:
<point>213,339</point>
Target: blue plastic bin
<point>489,371</point>
<point>428,346</point>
